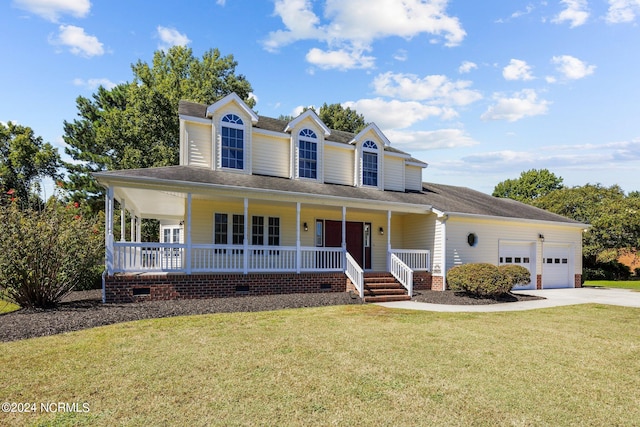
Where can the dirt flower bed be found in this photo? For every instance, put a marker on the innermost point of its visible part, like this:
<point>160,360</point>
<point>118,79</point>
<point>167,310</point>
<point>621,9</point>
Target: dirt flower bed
<point>83,310</point>
<point>460,298</point>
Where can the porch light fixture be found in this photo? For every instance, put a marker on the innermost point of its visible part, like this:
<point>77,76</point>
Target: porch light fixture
<point>541,237</point>
<point>381,230</point>
<point>306,227</point>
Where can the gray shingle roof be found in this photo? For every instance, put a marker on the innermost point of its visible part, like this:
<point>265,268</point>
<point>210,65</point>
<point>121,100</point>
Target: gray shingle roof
<point>444,198</point>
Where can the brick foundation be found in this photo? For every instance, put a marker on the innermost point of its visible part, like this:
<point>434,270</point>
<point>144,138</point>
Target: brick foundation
<point>437,283</point>
<point>422,280</point>
<point>577,281</point>
<point>539,281</point>
<point>167,286</point>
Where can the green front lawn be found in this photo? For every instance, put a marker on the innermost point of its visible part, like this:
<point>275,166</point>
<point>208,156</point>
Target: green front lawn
<point>347,365</point>
<point>624,284</point>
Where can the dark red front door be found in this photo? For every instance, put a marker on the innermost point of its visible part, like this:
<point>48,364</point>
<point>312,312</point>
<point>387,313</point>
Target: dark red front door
<point>355,239</point>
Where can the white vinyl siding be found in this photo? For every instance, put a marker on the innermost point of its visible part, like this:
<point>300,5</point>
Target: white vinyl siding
<point>199,144</point>
<point>271,155</point>
<point>490,232</point>
<point>338,165</point>
<point>413,178</point>
<point>394,173</point>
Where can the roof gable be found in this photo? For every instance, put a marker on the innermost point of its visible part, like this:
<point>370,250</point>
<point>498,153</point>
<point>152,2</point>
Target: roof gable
<point>309,114</point>
<point>235,99</point>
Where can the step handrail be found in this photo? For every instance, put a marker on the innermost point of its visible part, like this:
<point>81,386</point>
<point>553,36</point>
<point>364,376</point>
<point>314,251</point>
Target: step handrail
<point>355,273</point>
<point>402,273</point>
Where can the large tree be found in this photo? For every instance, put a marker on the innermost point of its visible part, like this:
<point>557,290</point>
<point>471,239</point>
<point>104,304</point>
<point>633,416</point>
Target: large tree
<point>335,116</point>
<point>135,124</point>
<point>614,218</point>
<point>531,185</point>
<point>24,160</point>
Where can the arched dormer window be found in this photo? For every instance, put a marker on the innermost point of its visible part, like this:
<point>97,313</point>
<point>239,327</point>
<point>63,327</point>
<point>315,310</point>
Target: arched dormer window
<point>370,163</point>
<point>307,154</point>
<point>232,132</point>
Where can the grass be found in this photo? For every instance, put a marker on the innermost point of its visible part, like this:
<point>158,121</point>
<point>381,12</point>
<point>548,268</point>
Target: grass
<point>6,306</point>
<point>346,365</point>
<point>623,284</point>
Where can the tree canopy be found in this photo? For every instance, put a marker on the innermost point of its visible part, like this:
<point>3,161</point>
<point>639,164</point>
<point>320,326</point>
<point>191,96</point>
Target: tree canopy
<point>531,185</point>
<point>136,124</point>
<point>335,116</point>
<point>24,160</point>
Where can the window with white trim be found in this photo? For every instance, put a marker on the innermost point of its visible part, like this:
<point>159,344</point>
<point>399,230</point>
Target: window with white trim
<point>232,133</point>
<point>223,234</point>
<point>370,163</point>
<point>307,154</point>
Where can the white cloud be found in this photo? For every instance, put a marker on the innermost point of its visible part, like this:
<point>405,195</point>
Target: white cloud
<point>53,9</point>
<point>396,114</point>
<point>342,59</point>
<point>437,89</point>
<point>350,27</point>
<point>572,68</point>
<point>78,42</point>
<point>621,11</point>
<point>430,140</point>
<point>517,70</point>
<point>171,37</point>
<point>517,14</point>
<point>523,104</point>
<point>575,12</point>
<point>93,84</point>
<point>401,55</point>
<point>466,67</point>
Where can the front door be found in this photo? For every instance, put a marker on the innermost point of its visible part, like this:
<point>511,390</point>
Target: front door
<point>355,240</point>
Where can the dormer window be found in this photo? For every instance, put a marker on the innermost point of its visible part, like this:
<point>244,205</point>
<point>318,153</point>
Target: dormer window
<point>232,142</point>
<point>370,164</point>
<point>307,154</point>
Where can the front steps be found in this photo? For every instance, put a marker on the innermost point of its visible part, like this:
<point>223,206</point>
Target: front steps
<point>383,287</point>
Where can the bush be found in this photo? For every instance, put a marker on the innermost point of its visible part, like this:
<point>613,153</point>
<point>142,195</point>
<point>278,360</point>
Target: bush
<point>46,254</point>
<point>486,280</point>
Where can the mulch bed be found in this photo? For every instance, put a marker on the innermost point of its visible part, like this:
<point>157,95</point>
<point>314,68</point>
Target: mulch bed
<point>83,310</point>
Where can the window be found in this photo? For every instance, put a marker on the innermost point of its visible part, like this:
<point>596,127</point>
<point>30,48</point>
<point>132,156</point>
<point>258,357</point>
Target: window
<point>370,164</point>
<point>171,235</point>
<point>257,231</point>
<point>232,142</point>
<point>221,227</point>
<point>238,230</point>
<point>307,154</point>
<point>274,231</point>
<point>319,233</point>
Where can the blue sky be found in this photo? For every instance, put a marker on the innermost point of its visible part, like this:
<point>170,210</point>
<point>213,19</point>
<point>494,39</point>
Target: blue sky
<point>479,90</point>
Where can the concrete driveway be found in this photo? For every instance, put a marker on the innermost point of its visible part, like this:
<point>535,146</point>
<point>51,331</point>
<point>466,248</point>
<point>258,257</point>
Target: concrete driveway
<point>553,298</point>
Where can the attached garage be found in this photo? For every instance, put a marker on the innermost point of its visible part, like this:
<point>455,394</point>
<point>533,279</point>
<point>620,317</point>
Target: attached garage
<point>557,266</point>
<point>519,253</point>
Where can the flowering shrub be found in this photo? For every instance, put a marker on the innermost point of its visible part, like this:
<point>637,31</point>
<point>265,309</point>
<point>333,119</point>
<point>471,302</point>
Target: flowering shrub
<point>486,280</point>
<point>46,254</point>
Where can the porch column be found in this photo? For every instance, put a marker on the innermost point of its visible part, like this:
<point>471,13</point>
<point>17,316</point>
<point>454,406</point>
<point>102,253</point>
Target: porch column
<point>245,241</point>
<point>108,229</point>
<point>139,229</point>
<point>133,226</point>
<point>298,253</point>
<point>344,229</point>
<point>188,234</point>
<point>388,240</point>
<point>123,217</point>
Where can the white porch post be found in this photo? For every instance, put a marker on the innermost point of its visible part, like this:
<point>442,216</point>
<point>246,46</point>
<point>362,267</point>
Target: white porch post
<point>188,234</point>
<point>388,240</point>
<point>298,253</point>
<point>245,241</point>
<point>344,229</point>
<point>133,226</point>
<point>139,229</point>
<point>109,202</point>
<point>123,216</point>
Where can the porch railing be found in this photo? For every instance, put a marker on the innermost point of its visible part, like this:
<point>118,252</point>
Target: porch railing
<point>355,273</point>
<point>402,273</point>
<point>128,256</point>
<point>143,257</point>
<point>415,259</point>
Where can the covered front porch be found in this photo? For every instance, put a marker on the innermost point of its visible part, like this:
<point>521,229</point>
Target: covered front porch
<point>252,232</point>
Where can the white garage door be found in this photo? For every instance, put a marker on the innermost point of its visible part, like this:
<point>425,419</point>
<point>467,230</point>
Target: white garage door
<point>556,267</point>
<point>519,254</point>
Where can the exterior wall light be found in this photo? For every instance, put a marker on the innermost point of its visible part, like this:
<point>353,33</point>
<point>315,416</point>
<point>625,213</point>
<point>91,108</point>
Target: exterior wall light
<point>541,237</point>
<point>381,230</point>
<point>306,227</point>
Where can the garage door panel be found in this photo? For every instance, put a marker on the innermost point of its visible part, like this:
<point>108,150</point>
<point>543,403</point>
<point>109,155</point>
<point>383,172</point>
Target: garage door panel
<point>556,267</point>
<point>518,254</point>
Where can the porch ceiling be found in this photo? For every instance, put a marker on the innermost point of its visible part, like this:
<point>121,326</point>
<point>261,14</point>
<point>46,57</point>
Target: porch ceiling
<point>152,203</point>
